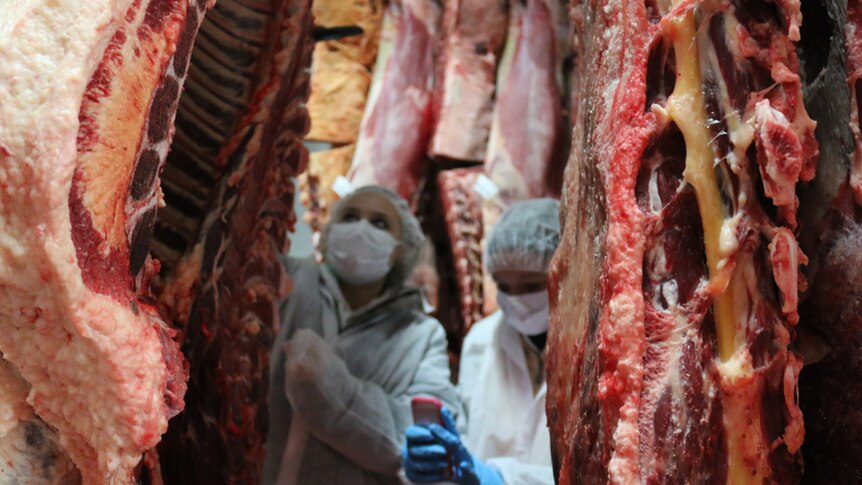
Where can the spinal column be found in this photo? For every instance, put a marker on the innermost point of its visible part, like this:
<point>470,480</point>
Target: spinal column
<point>676,285</point>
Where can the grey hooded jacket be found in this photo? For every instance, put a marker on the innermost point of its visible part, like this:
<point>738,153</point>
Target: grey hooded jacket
<point>390,347</point>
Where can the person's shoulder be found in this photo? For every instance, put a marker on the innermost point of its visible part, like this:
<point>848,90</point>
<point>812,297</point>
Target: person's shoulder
<point>484,330</point>
<point>425,323</point>
<point>424,328</point>
<point>299,266</point>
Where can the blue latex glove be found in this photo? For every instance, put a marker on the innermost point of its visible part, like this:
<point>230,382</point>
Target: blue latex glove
<point>429,450</point>
<point>424,459</point>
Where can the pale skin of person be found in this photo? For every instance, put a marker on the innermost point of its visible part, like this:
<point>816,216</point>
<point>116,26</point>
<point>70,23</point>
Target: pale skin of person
<point>520,282</point>
<point>380,213</point>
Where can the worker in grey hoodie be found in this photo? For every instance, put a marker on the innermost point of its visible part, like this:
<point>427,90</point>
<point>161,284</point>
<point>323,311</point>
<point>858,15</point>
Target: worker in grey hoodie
<point>353,349</point>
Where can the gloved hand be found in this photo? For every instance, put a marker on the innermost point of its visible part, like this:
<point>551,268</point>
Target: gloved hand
<point>424,459</point>
<point>305,357</point>
<point>429,450</point>
<point>351,415</point>
<point>316,381</point>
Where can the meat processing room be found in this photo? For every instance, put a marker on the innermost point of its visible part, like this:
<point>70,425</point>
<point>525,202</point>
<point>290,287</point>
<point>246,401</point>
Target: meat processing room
<point>463,242</point>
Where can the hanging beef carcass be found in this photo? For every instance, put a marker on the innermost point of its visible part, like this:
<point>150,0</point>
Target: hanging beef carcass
<point>524,153</point>
<point>674,291</point>
<point>830,385</point>
<point>229,196</point>
<point>397,123</point>
<point>88,92</point>
<point>340,79</point>
<point>341,69</point>
<point>474,32</point>
<point>527,121</point>
<point>463,218</point>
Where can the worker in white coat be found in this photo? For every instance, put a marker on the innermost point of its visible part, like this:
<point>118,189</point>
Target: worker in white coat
<point>353,349</point>
<point>501,378</point>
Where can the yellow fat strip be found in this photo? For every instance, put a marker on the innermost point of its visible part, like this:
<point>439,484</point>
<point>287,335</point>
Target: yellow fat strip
<point>686,107</point>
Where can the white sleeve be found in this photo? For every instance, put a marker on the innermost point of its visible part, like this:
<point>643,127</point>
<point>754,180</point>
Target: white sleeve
<point>472,354</point>
<point>518,473</point>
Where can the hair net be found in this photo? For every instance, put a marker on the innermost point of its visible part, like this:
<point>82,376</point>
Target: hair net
<point>412,237</point>
<point>525,238</point>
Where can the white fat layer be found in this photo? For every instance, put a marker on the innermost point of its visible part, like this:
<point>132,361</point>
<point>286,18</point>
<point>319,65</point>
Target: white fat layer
<point>13,398</point>
<point>95,368</point>
<point>728,241</point>
<point>670,292</point>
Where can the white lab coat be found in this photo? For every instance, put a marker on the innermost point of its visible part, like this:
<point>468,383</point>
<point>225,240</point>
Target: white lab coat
<point>506,423</point>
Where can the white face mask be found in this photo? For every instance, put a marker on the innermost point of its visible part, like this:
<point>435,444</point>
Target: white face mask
<point>527,313</point>
<point>358,252</point>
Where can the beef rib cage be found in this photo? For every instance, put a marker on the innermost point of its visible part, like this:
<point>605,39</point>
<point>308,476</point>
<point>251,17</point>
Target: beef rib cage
<point>229,197</point>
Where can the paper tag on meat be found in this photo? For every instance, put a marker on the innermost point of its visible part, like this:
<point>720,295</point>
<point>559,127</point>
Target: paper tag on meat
<point>485,187</point>
<point>342,186</point>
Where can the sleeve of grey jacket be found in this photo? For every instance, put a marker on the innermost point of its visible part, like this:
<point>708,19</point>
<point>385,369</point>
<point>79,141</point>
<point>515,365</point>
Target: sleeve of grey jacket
<point>432,379</point>
<point>302,306</point>
<point>358,418</point>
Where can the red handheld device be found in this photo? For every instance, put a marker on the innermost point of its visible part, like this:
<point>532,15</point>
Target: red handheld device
<point>427,410</point>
